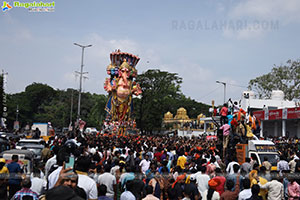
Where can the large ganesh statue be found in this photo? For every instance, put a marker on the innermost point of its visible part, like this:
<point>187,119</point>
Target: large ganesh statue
<point>121,86</point>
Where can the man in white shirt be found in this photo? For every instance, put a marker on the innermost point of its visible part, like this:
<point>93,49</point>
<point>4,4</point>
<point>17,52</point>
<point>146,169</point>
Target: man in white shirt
<point>282,164</point>
<point>229,168</point>
<point>60,159</point>
<point>50,162</point>
<point>109,181</point>
<point>145,164</point>
<point>128,194</point>
<point>149,193</point>
<point>37,183</point>
<point>274,187</point>
<point>84,181</point>
<point>246,192</point>
<point>293,162</point>
<point>202,179</point>
<point>53,176</point>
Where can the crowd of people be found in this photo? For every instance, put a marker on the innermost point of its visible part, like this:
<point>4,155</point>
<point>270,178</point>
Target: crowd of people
<point>148,167</point>
<point>133,167</point>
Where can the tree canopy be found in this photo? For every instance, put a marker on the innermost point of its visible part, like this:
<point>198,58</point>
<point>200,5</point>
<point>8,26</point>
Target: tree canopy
<point>41,103</point>
<point>283,77</point>
<point>161,93</point>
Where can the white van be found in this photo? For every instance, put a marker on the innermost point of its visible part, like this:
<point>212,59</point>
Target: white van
<point>258,150</point>
<point>24,142</point>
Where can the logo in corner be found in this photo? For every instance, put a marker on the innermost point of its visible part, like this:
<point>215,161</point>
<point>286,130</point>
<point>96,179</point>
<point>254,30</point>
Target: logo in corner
<point>6,6</point>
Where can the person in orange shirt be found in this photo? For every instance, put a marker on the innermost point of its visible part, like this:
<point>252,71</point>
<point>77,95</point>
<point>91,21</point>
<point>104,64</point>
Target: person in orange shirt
<point>241,114</point>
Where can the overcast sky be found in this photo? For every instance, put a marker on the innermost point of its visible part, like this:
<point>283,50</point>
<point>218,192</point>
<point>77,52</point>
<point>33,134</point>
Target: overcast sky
<point>202,41</point>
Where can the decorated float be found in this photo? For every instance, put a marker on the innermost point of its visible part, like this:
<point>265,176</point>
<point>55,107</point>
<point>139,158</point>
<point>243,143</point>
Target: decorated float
<point>121,86</point>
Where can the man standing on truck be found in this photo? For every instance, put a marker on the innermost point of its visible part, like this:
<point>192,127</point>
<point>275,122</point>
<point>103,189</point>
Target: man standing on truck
<point>241,131</point>
<point>226,132</point>
<point>224,113</point>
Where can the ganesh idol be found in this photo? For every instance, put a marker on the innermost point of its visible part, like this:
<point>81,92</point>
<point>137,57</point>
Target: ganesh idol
<point>121,85</point>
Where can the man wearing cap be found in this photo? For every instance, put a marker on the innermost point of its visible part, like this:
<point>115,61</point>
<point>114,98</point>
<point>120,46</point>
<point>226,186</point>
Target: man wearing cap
<point>211,192</point>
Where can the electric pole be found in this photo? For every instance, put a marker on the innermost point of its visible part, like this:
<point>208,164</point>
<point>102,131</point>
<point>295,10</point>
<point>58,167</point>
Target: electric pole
<point>81,76</point>
<point>224,84</point>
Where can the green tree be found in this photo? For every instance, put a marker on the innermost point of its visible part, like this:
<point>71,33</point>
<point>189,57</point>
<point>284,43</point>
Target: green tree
<point>284,77</point>
<point>41,103</point>
<point>159,89</point>
<point>96,113</point>
<point>193,107</point>
<point>38,94</point>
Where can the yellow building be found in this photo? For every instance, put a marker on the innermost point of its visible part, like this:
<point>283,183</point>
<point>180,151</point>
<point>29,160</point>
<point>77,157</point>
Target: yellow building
<point>181,118</point>
<point>178,121</point>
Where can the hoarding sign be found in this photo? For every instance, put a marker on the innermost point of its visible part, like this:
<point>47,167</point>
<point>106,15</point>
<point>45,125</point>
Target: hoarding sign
<point>275,114</point>
<point>293,113</point>
<point>259,114</point>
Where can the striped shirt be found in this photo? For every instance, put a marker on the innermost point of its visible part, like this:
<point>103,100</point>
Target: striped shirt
<point>25,192</point>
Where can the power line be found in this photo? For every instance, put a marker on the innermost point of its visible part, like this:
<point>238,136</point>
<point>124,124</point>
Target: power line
<point>237,85</point>
<point>209,93</point>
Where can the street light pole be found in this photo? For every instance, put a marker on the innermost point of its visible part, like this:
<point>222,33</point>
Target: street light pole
<point>71,111</point>
<point>81,73</point>
<point>224,89</point>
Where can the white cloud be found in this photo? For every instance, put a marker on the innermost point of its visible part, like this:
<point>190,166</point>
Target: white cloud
<point>16,32</point>
<point>286,11</point>
<point>197,79</point>
<point>259,18</point>
<point>96,58</point>
<point>250,31</point>
<point>69,77</point>
<point>220,7</point>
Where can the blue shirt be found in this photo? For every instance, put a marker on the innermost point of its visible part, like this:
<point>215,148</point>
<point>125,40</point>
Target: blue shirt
<point>230,118</point>
<point>104,198</point>
<point>233,178</point>
<point>14,168</point>
<point>127,177</point>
